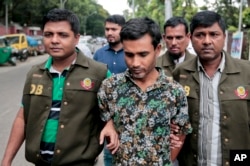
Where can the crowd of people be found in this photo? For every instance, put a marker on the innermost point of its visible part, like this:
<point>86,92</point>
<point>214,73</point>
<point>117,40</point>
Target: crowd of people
<point>142,107</point>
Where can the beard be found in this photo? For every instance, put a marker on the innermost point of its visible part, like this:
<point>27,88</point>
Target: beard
<point>114,43</point>
<point>175,56</point>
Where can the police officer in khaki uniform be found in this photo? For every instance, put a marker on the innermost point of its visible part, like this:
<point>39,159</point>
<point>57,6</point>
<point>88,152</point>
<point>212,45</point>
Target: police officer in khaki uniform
<point>59,118</point>
<point>217,87</point>
<point>177,38</point>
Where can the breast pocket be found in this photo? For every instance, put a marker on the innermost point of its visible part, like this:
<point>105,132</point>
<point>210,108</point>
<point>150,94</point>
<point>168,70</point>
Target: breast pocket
<point>37,87</point>
<point>190,87</point>
<point>82,91</point>
<point>191,92</point>
<point>235,103</point>
<point>235,92</point>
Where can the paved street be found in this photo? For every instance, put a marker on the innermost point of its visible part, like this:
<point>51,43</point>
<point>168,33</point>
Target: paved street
<point>12,80</point>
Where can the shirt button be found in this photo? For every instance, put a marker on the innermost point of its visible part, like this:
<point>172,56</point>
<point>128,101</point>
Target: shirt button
<point>68,84</point>
<point>226,163</point>
<point>114,63</point>
<point>195,135</point>
<point>225,117</point>
<point>62,126</point>
<point>65,103</point>
<point>195,156</point>
<point>37,155</point>
<point>226,140</point>
<point>221,92</point>
<point>58,151</point>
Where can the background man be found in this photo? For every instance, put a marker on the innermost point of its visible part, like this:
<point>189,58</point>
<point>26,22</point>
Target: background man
<point>217,88</point>
<point>177,38</point>
<point>143,100</point>
<point>59,117</point>
<point>112,55</point>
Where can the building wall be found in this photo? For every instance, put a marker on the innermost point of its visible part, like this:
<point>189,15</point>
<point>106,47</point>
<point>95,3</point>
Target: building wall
<point>14,29</point>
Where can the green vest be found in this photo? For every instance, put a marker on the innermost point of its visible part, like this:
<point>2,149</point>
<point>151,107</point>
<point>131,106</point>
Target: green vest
<point>77,141</point>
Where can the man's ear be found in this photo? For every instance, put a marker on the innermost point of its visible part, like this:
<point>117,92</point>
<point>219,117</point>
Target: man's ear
<point>190,36</point>
<point>158,49</point>
<point>163,36</point>
<point>77,36</point>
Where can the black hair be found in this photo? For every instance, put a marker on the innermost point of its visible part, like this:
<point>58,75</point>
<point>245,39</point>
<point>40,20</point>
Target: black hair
<point>175,21</point>
<point>138,27</point>
<point>117,19</point>
<point>207,19</point>
<point>56,15</point>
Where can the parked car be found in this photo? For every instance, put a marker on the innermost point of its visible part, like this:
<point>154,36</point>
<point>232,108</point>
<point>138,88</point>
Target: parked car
<point>85,49</point>
<point>19,44</point>
<point>85,41</point>
<point>6,55</point>
<point>101,41</point>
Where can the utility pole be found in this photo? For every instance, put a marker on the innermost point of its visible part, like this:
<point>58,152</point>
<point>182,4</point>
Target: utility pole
<point>240,16</point>
<point>6,18</point>
<point>168,9</point>
<point>133,8</point>
<point>62,2</point>
<point>85,22</point>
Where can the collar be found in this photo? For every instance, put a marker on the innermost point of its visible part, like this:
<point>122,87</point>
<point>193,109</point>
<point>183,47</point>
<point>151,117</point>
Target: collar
<point>80,60</point>
<point>160,80</point>
<point>108,47</point>
<point>220,67</point>
<point>48,64</point>
<point>180,60</point>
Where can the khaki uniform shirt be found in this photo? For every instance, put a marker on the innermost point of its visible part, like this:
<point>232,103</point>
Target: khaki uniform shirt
<point>168,64</point>
<point>77,141</point>
<point>234,104</point>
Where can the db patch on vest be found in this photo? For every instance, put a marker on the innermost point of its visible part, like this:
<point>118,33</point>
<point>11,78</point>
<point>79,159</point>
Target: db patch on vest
<point>239,157</point>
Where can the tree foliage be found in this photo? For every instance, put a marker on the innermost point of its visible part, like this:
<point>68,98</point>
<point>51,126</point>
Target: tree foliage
<point>30,12</point>
<point>155,9</point>
<point>229,9</point>
<point>92,15</point>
